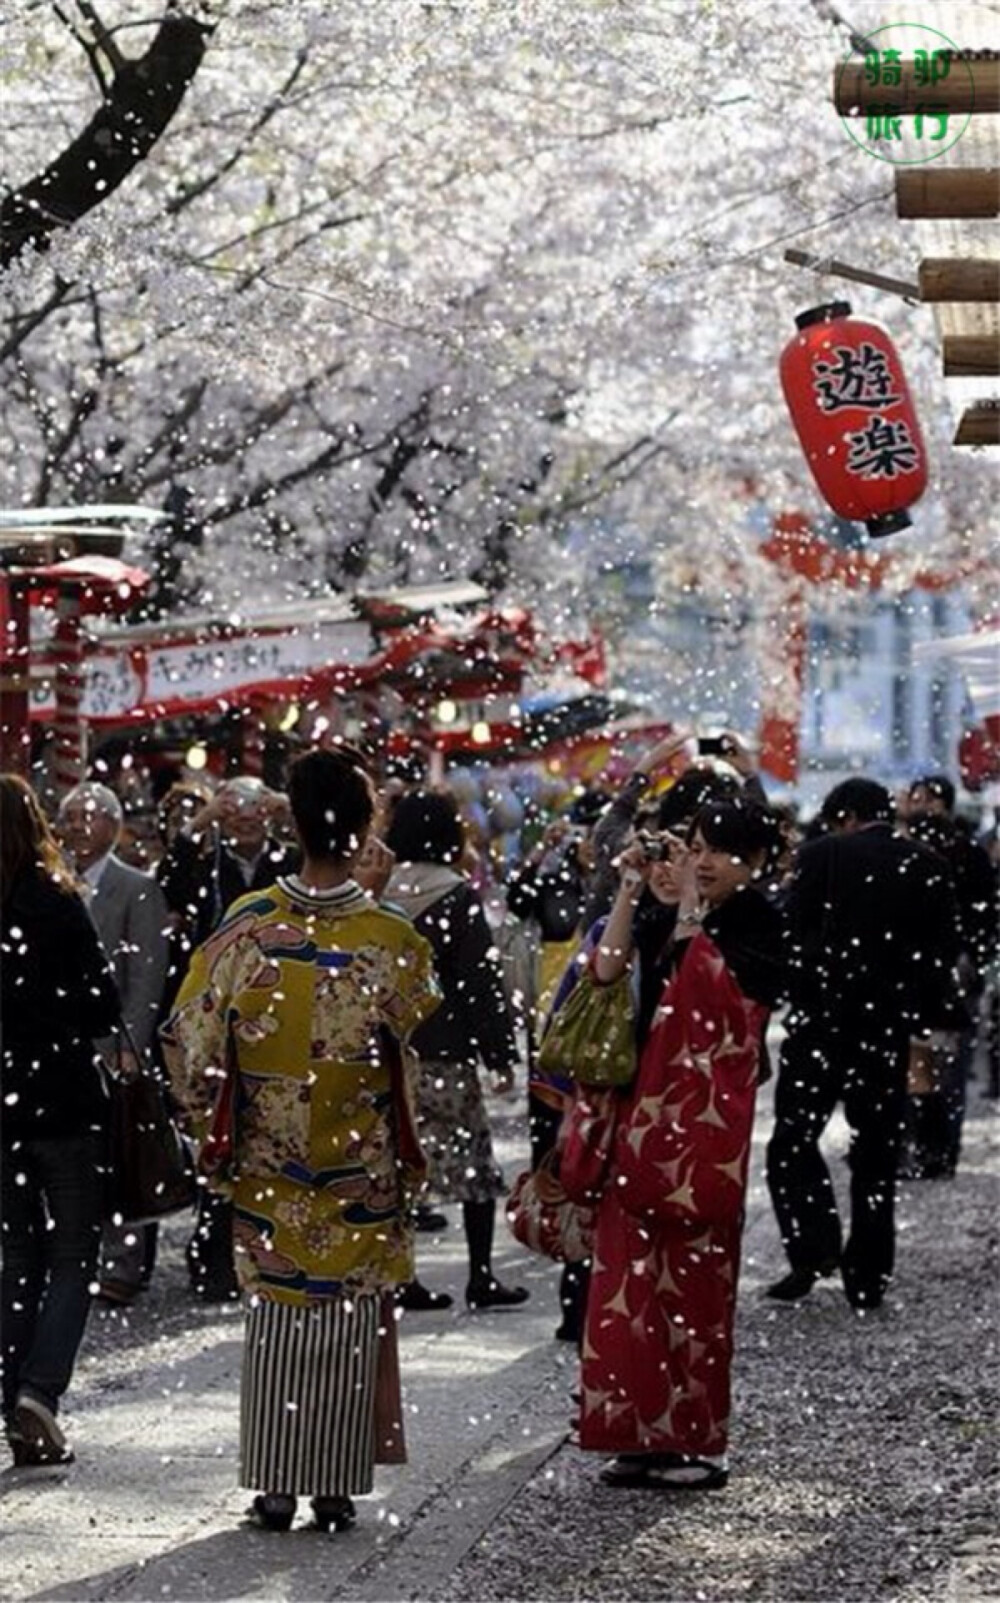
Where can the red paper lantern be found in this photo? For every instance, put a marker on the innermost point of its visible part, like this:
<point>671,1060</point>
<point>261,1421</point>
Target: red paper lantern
<point>852,411</point>
<point>979,757</point>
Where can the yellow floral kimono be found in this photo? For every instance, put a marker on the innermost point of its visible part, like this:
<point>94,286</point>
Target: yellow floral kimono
<point>294,988</point>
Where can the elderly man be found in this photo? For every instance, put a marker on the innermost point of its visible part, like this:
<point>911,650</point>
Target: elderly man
<point>130,914</point>
<point>224,850</point>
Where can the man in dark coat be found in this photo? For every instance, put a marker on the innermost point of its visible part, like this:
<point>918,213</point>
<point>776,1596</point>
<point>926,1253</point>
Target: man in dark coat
<point>130,915</point>
<point>873,944</point>
<point>225,850</point>
<point>939,1115</point>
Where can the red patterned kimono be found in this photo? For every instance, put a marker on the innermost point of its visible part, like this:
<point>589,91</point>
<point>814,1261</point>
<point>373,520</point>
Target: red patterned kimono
<point>659,1335</point>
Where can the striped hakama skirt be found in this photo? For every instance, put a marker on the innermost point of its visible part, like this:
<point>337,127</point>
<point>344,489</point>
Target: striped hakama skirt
<point>307,1397</point>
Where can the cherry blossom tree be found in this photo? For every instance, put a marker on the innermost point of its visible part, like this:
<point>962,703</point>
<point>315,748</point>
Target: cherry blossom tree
<point>417,290</point>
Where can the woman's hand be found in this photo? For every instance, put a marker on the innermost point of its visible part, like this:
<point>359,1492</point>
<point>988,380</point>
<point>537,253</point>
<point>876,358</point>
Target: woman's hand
<point>614,950</point>
<point>737,754</point>
<point>673,881</point>
<point>664,752</point>
<point>634,867</point>
<point>374,867</point>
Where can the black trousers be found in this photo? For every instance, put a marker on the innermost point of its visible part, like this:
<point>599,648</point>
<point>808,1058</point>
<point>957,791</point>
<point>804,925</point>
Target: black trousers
<point>574,1284</point>
<point>52,1200</point>
<point>868,1074</point>
<point>210,1250</point>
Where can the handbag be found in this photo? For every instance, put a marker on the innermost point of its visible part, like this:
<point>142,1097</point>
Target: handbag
<point>390,1436</point>
<point>592,1036</point>
<point>927,1061</point>
<point>151,1168</point>
<point>411,1164</point>
<point>542,1218</point>
<point>586,1143</point>
<point>218,1146</point>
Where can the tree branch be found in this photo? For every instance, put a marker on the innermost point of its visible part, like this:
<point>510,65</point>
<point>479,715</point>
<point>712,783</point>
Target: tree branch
<point>191,192</point>
<point>25,326</point>
<point>140,102</point>
<point>86,45</point>
<point>103,40</point>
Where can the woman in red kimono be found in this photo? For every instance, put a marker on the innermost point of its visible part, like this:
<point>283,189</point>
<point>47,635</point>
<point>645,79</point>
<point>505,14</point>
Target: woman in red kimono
<point>659,1334</point>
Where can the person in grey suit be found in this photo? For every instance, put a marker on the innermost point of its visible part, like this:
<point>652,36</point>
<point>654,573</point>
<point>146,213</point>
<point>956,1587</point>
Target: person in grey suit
<point>131,916</point>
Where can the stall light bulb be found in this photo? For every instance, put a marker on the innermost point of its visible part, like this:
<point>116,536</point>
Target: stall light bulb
<point>290,717</point>
<point>480,734</point>
<point>447,712</point>
<point>196,758</point>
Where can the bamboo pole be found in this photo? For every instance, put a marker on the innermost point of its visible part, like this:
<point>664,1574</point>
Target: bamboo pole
<point>856,275</point>
<point>971,355</point>
<point>960,278</point>
<point>969,86</point>
<point>980,424</point>
<point>951,192</point>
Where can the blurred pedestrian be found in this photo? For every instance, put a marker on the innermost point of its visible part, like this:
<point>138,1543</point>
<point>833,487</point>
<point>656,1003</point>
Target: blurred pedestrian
<point>304,994</point>
<point>873,946</point>
<point>473,1025</point>
<point>58,994</point>
<point>937,1115</point>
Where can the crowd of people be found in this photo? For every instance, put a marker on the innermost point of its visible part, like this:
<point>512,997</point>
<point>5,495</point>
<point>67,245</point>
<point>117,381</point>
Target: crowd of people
<point>323,976</point>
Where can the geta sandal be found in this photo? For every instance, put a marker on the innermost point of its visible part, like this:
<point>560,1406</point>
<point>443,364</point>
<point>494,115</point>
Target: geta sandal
<point>666,1472</point>
<point>337,1513</point>
<point>271,1511</point>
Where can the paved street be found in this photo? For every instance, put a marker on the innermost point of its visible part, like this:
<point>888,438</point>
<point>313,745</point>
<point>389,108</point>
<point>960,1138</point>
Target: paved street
<point>863,1462</point>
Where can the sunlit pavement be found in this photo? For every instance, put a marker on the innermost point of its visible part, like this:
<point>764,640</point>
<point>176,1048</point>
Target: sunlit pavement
<point>834,1418</point>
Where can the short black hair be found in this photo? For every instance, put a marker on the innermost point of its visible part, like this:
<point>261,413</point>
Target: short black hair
<point>864,799</point>
<point>426,828</point>
<point>333,802</point>
<point>740,828</point>
<point>695,787</point>
<point>588,807</point>
<point>931,830</point>
<point>938,786</point>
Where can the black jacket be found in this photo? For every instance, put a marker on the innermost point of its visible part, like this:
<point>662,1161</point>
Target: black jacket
<point>747,929</point>
<point>874,935</point>
<point>58,994</point>
<point>553,894</point>
<point>474,1021</point>
<point>978,903</point>
<point>201,884</point>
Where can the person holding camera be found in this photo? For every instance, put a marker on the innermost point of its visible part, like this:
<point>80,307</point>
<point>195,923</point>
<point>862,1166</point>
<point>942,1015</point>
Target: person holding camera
<point>659,1327</point>
<point>696,778</point>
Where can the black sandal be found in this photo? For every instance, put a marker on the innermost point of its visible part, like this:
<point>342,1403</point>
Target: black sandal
<point>491,1294</point>
<point>272,1511</point>
<point>664,1472</point>
<point>336,1512</point>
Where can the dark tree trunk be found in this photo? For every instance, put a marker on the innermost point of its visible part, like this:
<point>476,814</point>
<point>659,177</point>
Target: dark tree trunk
<point>141,99</point>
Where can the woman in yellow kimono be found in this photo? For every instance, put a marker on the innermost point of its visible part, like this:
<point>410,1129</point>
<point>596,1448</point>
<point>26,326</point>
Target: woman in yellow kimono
<point>304,995</point>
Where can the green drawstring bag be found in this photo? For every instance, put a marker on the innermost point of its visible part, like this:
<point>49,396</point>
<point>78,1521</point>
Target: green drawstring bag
<point>592,1037</point>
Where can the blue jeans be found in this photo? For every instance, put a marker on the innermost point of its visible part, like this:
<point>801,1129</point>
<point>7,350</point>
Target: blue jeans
<point>52,1195</point>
